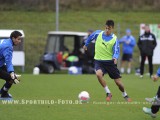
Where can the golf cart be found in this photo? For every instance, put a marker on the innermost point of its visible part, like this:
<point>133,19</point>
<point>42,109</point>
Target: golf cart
<point>63,49</point>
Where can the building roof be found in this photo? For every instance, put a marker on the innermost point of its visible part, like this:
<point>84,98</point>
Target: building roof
<point>5,33</point>
<point>67,33</point>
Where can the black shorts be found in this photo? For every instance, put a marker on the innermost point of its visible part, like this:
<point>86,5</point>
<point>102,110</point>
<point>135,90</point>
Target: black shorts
<point>108,67</point>
<point>4,74</point>
<point>127,57</point>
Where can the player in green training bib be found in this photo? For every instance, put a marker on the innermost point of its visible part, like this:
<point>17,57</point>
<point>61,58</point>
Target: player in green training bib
<point>106,55</point>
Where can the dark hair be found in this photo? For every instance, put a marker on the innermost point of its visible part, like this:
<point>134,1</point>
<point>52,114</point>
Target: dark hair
<point>110,23</point>
<point>15,34</point>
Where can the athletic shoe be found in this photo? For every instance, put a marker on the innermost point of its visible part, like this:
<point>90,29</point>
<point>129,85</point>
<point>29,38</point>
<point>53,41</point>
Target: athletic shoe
<point>141,76</point>
<point>127,98</point>
<point>109,96</point>
<point>150,99</point>
<point>151,76</point>
<point>149,112</point>
<point>6,96</point>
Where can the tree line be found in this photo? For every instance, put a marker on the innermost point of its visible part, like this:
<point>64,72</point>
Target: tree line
<point>114,5</point>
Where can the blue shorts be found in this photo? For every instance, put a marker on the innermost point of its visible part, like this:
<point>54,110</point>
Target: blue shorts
<point>108,67</point>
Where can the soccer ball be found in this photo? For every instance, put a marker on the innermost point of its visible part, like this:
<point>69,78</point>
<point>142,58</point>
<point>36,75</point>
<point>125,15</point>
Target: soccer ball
<point>84,96</point>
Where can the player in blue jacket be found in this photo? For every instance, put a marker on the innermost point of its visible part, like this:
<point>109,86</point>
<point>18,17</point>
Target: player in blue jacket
<point>155,101</point>
<point>129,43</point>
<point>6,67</point>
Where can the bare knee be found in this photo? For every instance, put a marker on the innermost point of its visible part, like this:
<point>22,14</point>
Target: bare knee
<point>99,74</point>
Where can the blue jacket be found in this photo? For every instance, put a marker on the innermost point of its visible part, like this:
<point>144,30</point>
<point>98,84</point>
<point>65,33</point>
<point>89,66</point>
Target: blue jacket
<point>128,48</point>
<point>158,72</point>
<point>94,35</point>
<point>6,51</point>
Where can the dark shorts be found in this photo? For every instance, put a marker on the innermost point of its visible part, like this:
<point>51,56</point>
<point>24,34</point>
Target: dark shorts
<point>4,74</point>
<point>127,57</point>
<point>108,67</point>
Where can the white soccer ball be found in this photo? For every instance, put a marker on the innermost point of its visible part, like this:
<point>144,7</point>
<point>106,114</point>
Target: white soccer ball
<point>73,70</point>
<point>84,96</point>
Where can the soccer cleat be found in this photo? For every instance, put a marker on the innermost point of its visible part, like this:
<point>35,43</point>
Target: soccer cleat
<point>150,99</point>
<point>151,76</point>
<point>149,112</point>
<point>141,76</point>
<point>109,96</point>
<point>6,96</point>
<point>127,98</point>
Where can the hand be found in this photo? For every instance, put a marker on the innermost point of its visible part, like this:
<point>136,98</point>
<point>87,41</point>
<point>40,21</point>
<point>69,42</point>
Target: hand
<point>15,78</point>
<point>127,41</point>
<point>82,50</point>
<point>18,76</point>
<point>85,47</point>
<point>115,60</point>
<point>155,78</point>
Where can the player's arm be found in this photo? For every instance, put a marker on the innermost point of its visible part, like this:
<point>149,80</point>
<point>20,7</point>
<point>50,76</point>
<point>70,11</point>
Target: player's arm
<point>132,42</point>
<point>116,52</point>
<point>122,40</point>
<point>7,53</point>
<point>139,43</point>
<point>155,77</point>
<point>154,42</point>
<point>92,37</point>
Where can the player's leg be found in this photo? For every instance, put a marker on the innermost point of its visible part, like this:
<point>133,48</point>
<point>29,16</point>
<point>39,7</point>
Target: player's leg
<point>155,106</point>
<point>123,61</point>
<point>129,67</point>
<point>100,73</point>
<point>150,65</point>
<point>123,66</point>
<point>129,59</point>
<point>158,92</point>
<point>5,88</point>
<point>142,65</point>
<point>114,73</point>
<point>121,88</point>
<point>149,112</point>
<point>119,84</point>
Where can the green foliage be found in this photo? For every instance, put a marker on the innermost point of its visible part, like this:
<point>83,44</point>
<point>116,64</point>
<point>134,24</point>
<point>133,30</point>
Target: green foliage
<point>62,88</point>
<point>37,24</point>
<point>64,5</point>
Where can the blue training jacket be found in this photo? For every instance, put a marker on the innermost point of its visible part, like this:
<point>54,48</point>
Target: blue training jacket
<point>94,35</point>
<point>128,48</point>
<point>158,72</point>
<point>6,51</point>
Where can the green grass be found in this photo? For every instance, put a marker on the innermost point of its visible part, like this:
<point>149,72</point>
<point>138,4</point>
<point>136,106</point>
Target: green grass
<point>64,88</point>
<point>37,24</point>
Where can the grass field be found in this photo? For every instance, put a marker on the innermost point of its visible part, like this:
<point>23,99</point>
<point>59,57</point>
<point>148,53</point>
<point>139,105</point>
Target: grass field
<point>60,93</point>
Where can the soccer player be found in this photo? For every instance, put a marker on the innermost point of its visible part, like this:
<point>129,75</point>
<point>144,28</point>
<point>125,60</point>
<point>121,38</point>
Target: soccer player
<point>156,100</point>
<point>106,55</point>
<point>6,67</point>
<point>129,43</point>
